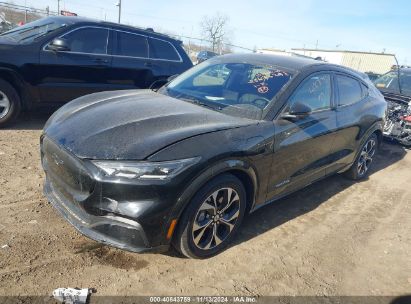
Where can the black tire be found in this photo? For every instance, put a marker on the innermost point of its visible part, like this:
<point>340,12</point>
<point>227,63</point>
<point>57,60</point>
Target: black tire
<point>357,170</point>
<point>8,94</point>
<point>185,234</point>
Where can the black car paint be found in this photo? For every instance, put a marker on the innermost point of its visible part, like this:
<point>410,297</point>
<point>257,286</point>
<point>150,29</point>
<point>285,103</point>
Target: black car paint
<point>155,120</point>
<point>272,156</point>
<point>45,77</point>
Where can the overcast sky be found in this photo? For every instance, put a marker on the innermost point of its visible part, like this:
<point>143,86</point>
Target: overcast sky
<point>367,25</point>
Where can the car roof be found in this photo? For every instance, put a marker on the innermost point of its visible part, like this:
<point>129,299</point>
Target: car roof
<point>84,20</point>
<point>292,63</point>
<point>289,62</point>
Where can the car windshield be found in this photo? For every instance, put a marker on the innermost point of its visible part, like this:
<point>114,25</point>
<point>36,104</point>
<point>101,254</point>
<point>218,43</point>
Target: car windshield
<point>389,82</point>
<point>238,89</point>
<point>27,33</point>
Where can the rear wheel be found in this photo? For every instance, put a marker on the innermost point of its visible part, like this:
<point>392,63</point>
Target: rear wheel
<point>211,220</point>
<point>9,103</point>
<point>362,164</point>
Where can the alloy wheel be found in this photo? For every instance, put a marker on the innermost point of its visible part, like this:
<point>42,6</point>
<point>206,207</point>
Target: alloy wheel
<point>366,156</point>
<point>4,105</point>
<point>216,218</point>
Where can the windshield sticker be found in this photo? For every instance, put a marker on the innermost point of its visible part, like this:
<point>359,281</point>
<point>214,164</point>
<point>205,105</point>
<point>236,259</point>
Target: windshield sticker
<point>318,84</point>
<point>260,79</point>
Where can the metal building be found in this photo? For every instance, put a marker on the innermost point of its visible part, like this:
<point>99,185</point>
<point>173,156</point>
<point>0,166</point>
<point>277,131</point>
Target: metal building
<point>375,63</point>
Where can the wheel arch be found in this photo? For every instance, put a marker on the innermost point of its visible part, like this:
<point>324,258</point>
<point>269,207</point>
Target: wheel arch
<point>376,128</point>
<point>13,78</point>
<point>380,136</point>
<point>241,169</point>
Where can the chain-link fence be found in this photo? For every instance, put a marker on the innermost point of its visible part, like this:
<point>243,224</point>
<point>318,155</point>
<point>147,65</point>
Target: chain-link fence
<point>12,15</point>
<point>17,14</point>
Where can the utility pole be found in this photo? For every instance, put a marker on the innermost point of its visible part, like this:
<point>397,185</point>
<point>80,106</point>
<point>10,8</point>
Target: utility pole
<point>58,7</point>
<point>25,11</point>
<point>119,11</point>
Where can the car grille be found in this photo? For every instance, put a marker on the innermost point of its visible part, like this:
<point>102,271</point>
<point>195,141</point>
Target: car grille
<point>66,174</point>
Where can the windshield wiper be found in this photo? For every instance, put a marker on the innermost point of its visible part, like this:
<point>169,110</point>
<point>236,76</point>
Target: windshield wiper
<point>197,102</point>
<point>21,31</point>
<point>41,35</point>
<point>31,36</point>
<point>38,35</point>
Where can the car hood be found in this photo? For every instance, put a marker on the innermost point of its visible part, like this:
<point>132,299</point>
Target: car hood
<point>7,43</point>
<point>131,124</point>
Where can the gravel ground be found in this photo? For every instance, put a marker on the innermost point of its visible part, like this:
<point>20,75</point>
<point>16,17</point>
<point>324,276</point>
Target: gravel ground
<point>335,237</point>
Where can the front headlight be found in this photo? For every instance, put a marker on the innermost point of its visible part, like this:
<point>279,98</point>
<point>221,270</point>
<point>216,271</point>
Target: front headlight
<point>144,170</point>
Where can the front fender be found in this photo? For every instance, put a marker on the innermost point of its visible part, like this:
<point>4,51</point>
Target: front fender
<point>244,151</point>
<point>16,80</point>
<point>223,166</point>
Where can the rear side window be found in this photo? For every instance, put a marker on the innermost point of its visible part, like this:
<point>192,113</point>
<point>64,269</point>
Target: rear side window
<point>88,40</point>
<point>349,90</point>
<point>160,49</point>
<point>131,45</point>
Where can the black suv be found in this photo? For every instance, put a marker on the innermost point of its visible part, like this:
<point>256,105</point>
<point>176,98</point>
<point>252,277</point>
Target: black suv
<point>56,59</point>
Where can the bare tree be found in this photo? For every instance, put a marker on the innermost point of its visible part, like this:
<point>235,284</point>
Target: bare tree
<point>215,30</point>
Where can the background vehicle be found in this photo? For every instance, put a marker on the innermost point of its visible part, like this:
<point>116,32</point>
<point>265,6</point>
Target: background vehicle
<point>4,24</point>
<point>56,59</point>
<point>186,163</point>
<point>396,88</point>
<point>372,76</point>
<point>204,55</point>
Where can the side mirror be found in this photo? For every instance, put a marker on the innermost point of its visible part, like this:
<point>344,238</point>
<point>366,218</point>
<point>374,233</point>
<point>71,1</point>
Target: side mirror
<point>297,111</point>
<point>59,45</point>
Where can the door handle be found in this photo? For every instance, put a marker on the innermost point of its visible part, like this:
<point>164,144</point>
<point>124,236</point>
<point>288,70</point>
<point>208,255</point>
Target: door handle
<point>100,61</point>
<point>148,64</point>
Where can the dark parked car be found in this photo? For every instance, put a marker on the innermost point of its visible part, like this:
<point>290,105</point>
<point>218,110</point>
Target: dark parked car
<point>54,60</point>
<point>141,169</point>
<point>205,55</point>
<point>396,88</point>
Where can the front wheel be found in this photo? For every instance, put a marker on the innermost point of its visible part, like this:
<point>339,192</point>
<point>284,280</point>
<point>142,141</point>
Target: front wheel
<point>9,103</point>
<point>211,220</point>
<point>361,166</point>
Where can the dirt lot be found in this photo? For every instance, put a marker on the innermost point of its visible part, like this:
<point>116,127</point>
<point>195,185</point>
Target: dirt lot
<point>333,238</point>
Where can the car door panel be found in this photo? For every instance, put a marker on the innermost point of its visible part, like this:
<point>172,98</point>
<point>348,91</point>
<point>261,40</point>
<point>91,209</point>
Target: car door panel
<point>301,151</point>
<point>350,121</point>
<point>302,145</point>
<point>68,76</point>
<point>65,75</point>
<point>131,67</point>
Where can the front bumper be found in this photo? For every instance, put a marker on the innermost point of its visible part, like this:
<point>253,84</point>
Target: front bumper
<point>112,230</point>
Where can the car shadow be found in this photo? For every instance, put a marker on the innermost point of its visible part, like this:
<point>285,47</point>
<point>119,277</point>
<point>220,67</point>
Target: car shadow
<point>305,200</point>
<point>406,299</point>
<point>34,120</point>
